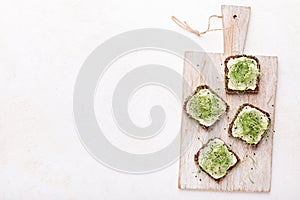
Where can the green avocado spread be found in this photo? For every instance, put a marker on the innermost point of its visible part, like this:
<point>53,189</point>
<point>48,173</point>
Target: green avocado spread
<point>215,158</point>
<point>205,106</point>
<point>250,125</point>
<point>242,73</point>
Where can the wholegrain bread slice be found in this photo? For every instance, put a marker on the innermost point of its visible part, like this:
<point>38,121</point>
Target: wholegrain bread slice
<point>195,92</point>
<point>231,125</point>
<point>226,70</point>
<point>236,159</point>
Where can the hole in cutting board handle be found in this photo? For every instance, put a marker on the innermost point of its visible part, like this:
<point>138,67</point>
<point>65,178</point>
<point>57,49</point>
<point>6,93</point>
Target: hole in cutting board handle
<point>234,16</point>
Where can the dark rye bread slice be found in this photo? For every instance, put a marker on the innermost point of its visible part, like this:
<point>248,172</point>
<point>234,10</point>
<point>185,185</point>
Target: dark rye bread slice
<point>197,89</point>
<point>228,170</point>
<point>249,91</point>
<point>237,113</point>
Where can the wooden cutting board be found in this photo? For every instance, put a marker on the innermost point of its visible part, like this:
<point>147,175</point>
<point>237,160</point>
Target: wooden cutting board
<point>253,174</point>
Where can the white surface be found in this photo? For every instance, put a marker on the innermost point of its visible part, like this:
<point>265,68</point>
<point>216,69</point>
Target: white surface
<point>44,43</point>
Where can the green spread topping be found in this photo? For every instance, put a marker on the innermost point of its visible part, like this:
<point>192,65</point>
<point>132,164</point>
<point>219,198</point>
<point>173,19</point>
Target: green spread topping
<point>205,106</point>
<point>250,125</point>
<point>215,158</point>
<point>242,73</point>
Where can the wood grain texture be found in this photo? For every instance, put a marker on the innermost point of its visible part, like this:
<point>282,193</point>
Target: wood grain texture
<point>235,24</point>
<point>253,173</point>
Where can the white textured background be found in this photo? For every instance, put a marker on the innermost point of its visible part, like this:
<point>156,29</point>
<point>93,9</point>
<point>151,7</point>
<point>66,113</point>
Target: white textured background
<point>42,46</point>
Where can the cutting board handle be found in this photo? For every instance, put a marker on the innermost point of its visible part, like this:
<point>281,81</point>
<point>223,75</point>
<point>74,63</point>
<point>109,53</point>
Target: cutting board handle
<point>235,27</point>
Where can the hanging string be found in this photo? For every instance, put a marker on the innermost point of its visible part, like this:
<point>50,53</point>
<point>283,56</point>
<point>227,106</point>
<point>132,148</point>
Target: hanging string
<point>187,27</point>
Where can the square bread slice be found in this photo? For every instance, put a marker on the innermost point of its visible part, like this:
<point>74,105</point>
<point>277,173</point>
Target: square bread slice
<point>216,159</point>
<point>205,106</point>
<point>242,74</point>
<point>250,124</point>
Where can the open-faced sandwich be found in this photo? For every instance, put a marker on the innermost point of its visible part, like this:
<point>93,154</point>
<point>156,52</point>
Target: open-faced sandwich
<point>250,124</point>
<point>205,106</point>
<point>242,74</point>
<point>216,159</point>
